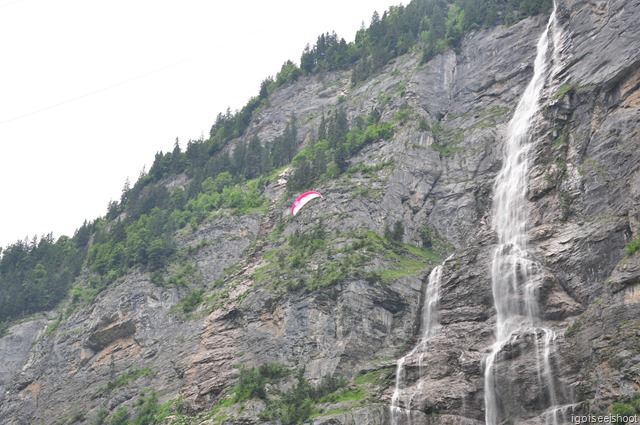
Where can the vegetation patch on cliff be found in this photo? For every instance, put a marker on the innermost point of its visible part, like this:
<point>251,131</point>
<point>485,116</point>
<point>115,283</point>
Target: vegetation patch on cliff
<point>632,247</point>
<point>147,411</point>
<point>124,380</point>
<point>287,397</point>
<point>316,259</point>
<point>627,406</point>
<point>447,141</point>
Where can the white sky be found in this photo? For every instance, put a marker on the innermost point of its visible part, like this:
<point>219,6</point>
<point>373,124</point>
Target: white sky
<point>90,90</point>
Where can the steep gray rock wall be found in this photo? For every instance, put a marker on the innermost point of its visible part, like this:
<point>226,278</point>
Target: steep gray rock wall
<point>15,348</point>
<point>583,199</point>
<point>599,192</point>
<point>126,329</point>
<point>354,325</point>
<point>132,337</point>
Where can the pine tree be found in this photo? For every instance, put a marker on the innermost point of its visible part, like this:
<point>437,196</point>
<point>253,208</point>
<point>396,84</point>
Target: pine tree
<point>337,128</point>
<point>266,164</point>
<point>341,158</point>
<point>398,231</point>
<point>301,177</point>
<point>322,128</point>
<point>307,60</point>
<point>253,158</point>
<point>319,162</point>
<point>264,87</point>
<point>291,138</point>
<point>125,192</point>
<point>278,155</point>
<point>238,164</point>
<point>178,162</point>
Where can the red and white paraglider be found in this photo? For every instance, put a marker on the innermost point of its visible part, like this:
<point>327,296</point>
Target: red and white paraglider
<point>302,200</point>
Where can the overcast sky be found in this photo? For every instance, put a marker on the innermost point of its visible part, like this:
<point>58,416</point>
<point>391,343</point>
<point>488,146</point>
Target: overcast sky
<point>90,90</point>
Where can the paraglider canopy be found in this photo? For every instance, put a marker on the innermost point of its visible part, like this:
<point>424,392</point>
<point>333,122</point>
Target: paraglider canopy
<point>302,200</point>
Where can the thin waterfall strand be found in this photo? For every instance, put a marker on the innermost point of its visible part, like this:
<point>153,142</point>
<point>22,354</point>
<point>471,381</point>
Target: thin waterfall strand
<point>429,326</point>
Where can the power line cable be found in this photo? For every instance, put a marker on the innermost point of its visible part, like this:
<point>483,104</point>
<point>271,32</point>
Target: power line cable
<point>129,80</point>
<point>11,3</point>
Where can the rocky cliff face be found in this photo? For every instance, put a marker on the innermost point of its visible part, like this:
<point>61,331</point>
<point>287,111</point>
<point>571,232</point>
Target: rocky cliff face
<point>584,203</point>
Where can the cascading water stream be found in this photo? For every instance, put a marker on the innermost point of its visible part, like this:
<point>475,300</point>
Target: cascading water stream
<point>513,271</point>
<point>429,326</point>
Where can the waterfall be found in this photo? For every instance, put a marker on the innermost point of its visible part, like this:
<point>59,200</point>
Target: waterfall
<point>514,272</point>
<point>429,326</point>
